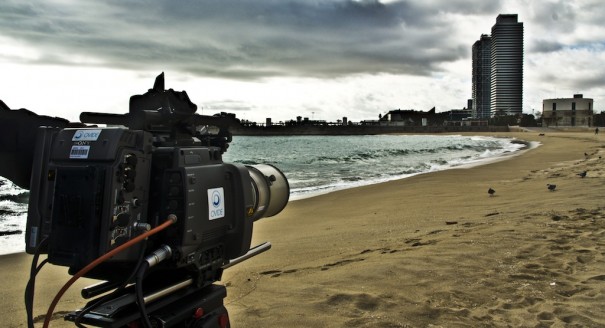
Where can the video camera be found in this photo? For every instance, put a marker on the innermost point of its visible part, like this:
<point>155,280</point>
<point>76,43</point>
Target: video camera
<point>95,189</point>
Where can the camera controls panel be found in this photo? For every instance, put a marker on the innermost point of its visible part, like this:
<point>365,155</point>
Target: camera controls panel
<point>131,174</point>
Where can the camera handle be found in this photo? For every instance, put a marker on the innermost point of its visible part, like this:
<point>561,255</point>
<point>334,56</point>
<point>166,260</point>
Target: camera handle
<point>251,253</point>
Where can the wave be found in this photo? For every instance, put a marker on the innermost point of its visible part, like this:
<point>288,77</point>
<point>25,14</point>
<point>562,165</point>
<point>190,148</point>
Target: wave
<point>367,167</point>
<point>22,197</point>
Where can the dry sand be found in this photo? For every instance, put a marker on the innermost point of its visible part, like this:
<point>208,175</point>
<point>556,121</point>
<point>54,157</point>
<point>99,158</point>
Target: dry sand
<point>434,250</point>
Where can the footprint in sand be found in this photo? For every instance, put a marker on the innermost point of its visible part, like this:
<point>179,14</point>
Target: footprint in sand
<point>340,263</point>
<point>415,242</point>
<point>277,273</point>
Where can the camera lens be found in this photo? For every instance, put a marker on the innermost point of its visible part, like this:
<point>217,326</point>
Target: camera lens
<point>270,190</point>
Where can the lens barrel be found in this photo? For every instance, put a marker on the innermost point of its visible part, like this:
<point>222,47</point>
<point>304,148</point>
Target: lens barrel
<point>270,190</point>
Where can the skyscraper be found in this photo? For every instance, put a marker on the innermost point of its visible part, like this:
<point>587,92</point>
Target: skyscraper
<point>507,66</point>
<point>482,67</point>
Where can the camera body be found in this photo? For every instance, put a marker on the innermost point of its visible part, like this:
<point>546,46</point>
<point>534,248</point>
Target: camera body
<point>93,189</point>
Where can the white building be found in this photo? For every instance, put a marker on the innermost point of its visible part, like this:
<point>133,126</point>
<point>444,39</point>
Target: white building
<point>576,111</point>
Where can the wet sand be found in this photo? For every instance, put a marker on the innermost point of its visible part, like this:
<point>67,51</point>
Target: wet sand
<point>434,250</point>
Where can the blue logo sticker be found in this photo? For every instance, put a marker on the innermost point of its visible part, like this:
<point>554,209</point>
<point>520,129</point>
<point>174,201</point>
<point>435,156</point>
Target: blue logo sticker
<point>216,203</point>
<point>216,198</point>
<point>86,135</point>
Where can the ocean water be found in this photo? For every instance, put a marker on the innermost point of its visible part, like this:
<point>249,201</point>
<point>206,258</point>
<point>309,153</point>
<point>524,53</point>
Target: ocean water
<point>13,214</point>
<point>319,164</point>
<point>314,165</point>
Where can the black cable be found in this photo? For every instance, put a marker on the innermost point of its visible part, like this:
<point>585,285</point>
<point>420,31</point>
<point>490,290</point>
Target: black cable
<point>31,283</point>
<point>171,219</point>
<point>118,290</point>
<point>139,294</point>
<point>29,294</point>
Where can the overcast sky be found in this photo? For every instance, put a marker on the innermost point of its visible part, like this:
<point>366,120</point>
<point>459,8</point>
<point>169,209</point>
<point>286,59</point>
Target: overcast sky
<point>322,59</point>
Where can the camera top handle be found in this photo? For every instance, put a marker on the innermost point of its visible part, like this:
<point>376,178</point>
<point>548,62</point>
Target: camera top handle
<point>152,121</point>
<point>169,114</point>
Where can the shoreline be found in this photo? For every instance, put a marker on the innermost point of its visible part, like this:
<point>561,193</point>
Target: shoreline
<point>323,190</point>
<point>432,249</point>
<point>528,145</point>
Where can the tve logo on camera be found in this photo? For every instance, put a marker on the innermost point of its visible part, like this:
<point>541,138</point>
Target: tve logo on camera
<point>216,203</point>
<point>86,135</point>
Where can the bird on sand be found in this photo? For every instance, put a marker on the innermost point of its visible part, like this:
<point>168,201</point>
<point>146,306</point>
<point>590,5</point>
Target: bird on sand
<point>551,187</point>
<point>582,174</point>
<point>491,192</point>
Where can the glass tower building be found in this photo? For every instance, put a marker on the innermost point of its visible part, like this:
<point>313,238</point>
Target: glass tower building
<point>482,68</point>
<point>507,66</point>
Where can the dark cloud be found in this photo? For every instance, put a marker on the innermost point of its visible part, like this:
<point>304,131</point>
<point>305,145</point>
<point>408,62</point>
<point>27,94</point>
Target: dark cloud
<point>561,25</point>
<point>596,80</point>
<point>594,10</point>
<point>572,69</point>
<point>541,46</point>
<point>591,85</point>
<point>557,16</point>
<point>225,106</point>
<point>244,39</point>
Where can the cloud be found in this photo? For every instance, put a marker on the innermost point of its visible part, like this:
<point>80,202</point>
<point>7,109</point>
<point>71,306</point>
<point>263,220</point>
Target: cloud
<point>283,58</point>
<point>243,39</point>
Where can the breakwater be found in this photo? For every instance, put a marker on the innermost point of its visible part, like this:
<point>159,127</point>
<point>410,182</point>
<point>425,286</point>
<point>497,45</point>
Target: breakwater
<point>336,130</point>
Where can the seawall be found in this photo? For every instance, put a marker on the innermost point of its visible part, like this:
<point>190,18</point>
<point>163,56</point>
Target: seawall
<point>278,130</point>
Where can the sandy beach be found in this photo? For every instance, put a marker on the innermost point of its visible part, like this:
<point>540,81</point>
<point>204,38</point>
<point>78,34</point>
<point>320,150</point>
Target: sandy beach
<point>433,250</point>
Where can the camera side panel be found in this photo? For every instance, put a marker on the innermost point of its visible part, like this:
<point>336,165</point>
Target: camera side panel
<point>97,187</point>
<point>211,200</point>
